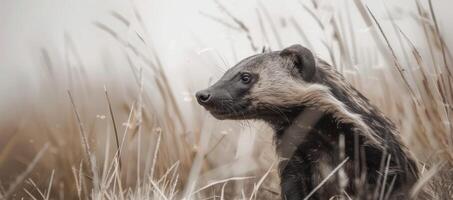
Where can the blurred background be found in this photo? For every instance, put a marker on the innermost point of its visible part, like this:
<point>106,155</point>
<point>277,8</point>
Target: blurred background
<point>97,96</point>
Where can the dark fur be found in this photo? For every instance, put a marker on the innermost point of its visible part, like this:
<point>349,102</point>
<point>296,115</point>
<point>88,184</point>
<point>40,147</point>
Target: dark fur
<point>311,144</point>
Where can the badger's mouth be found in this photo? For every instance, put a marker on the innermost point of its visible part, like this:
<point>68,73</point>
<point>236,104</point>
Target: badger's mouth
<point>229,114</point>
<point>222,114</point>
<point>230,110</point>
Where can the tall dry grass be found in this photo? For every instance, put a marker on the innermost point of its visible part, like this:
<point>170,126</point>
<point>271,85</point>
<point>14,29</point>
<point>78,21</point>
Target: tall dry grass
<point>131,139</point>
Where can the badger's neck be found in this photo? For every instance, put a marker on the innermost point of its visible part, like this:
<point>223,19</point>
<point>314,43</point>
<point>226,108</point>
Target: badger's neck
<point>307,128</point>
<point>335,108</point>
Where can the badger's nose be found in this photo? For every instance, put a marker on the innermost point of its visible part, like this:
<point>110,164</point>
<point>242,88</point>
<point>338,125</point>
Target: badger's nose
<point>203,97</point>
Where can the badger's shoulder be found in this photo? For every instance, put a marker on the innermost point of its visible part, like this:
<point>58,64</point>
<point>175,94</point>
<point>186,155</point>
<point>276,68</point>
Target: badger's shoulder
<point>355,102</point>
<point>353,99</point>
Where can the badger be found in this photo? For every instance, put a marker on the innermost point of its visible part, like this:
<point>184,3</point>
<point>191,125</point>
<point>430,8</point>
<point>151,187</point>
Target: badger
<point>332,142</point>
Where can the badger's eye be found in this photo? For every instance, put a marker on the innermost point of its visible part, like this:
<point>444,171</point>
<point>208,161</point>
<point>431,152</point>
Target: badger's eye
<point>246,78</point>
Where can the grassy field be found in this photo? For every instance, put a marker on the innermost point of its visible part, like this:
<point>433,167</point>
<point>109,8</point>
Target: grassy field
<point>128,136</point>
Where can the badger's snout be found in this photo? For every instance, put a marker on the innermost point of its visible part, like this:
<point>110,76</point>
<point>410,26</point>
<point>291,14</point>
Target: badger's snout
<point>204,97</point>
<point>216,101</point>
<point>227,98</point>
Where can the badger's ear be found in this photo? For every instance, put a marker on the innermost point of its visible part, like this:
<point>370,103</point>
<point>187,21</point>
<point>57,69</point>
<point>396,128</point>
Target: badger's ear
<point>303,59</point>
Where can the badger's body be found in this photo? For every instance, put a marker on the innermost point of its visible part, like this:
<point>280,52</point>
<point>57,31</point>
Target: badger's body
<point>331,140</point>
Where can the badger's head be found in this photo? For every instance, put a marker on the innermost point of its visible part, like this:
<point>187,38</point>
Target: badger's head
<point>261,85</point>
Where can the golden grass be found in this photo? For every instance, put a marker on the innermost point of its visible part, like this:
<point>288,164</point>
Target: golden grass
<point>157,153</point>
